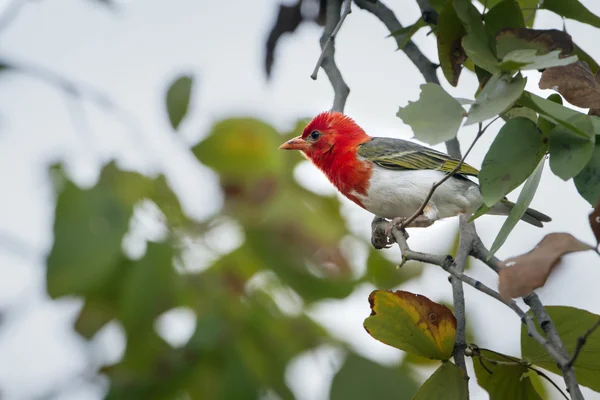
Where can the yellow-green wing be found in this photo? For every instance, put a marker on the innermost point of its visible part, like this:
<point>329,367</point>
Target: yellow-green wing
<point>401,154</point>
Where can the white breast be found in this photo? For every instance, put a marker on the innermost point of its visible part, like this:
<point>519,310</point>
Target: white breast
<point>394,193</point>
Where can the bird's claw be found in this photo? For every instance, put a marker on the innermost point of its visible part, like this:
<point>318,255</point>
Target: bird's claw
<point>396,223</point>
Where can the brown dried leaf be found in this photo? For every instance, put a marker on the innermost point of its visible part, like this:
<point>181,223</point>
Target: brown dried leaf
<point>595,221</point>
<point>575,82</point>
<point>529,271</point>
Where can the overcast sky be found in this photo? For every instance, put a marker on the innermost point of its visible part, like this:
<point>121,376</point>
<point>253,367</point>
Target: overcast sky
<point>131,55</point>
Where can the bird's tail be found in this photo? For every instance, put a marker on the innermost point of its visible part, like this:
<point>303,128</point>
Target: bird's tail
<point>531,216</point>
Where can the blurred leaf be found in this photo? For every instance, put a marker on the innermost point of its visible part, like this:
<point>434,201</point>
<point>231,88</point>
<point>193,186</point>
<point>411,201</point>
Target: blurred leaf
<point>360,378</point>
<point>448,382</point>
<point>519,209</point>
<point>529,271</point>
<point>449,37</point>
<point>528,59</point>
<point>551,110</point>
<point>88,229</point>
<point>408,32</point>
<point>435,117</point>
<point>504,380</point>
<point>543,41</point>
<point>150,287</point>
<point>571,323</point>
<point>476,43</point>
<point>569,151</point>
<point>572,9</point>
<point>239,149</point>
<point>412,323</point>
<point>499,94</point>
<point>505,14</point>
<point>178,99</point>
<point>512,157</point>
<point>384,274</point>
<point>587,181</point>
<point>575,82</point>
<point>289,253</point>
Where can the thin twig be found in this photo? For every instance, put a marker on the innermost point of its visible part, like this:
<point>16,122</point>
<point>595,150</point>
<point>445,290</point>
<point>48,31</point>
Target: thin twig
<point>331,37</point>
<point>327,59</point>
<point>447,263</point>
<point>581,342</point>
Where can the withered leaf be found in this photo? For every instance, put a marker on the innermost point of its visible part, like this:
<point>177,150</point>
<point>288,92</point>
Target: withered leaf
<point>595,221</point>
<point>529,271</point>
<point>575,82</point>
<point>412,323</point>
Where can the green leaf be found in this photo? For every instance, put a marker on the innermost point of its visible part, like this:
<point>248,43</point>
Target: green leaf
<point>587,181</point>
<point>572,9</point>
<point>518,111</point>
<point>476,43</point>
<point>512,157</point>
<point>569,152</point>
<point>552,111</point>
<point>88,229</point>
<point>571,323</point>
<point>408,32</point>
<point>412,323</point>
<point>360,378</point>
<point>448,382</point>
<point>178,99</point>
<point>435,117</point>
<point>504,380</point>
<point>543,124</point>
<point>449,37</point>
<point>505,14</point>
<point>499,94</point>
<point>482,210</point>
<point>519,208</point>
<point>529,59</point>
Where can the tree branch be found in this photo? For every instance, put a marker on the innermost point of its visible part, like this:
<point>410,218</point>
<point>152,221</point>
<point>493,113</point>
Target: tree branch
<point>326,60</point>
<point>480,252</point>
<point>448,264</point>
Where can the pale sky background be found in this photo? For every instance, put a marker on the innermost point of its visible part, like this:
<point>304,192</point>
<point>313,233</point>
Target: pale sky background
<point>131,56</point>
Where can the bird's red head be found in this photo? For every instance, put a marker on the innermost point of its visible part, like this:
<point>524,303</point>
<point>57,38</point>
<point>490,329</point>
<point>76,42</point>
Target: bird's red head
<point>327,134</point>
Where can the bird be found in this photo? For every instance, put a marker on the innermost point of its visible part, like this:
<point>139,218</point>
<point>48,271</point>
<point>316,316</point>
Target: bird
<point>391,178</point>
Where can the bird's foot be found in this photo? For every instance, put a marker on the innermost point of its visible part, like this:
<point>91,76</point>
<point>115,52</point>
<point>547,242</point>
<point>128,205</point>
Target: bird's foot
<point>379,238</point>
<point>398,223</point>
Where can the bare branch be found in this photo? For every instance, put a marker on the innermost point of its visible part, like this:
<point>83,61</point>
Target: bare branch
<point>447,263</point>
<point>480,252</point>
<point>326,60</point>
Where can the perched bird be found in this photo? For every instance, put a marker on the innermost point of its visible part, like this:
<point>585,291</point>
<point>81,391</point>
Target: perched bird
<point>392,177</point>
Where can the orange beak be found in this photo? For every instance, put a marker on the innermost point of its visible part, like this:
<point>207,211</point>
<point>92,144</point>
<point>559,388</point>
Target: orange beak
<point>296,143</point>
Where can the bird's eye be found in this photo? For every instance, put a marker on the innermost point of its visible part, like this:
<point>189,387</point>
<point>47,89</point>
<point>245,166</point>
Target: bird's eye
<point>314,135</point>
